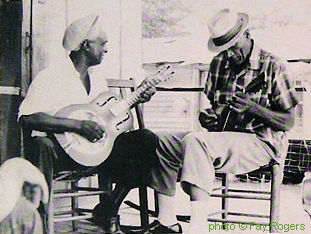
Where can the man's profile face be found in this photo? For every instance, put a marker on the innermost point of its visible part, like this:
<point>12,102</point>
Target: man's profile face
<point>97,48</point>
<point>237,53</point>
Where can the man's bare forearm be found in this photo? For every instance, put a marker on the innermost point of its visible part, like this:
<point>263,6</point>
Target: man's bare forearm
<point>280,121</point>
<point>48,123</point>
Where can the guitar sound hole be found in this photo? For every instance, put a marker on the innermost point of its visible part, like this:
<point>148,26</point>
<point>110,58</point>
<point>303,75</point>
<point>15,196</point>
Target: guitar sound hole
<point>124,120</point>
<point>108,100</point>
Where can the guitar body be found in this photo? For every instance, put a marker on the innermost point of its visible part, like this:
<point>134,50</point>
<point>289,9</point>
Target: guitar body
<point>107,110</point>
<point>94,153</point>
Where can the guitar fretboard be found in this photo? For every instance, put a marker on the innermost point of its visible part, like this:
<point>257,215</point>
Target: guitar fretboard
<point>134,97</point>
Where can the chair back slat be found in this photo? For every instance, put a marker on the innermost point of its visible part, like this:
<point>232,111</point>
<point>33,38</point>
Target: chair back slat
<point>117,83</point>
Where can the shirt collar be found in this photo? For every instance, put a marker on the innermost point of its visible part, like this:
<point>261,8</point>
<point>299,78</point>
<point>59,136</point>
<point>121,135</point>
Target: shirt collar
<point>69,67</point>
<point>254,58</point>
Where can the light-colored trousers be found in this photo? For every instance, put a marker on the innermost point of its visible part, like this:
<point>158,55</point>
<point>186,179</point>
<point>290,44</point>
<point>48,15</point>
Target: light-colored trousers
<point>196,156</point>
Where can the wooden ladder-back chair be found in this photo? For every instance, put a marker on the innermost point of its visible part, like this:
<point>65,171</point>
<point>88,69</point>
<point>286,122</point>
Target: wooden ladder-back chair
<point>74,191</point>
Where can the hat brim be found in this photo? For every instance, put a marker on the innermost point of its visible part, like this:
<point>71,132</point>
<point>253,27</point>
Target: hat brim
<point>214,48</point>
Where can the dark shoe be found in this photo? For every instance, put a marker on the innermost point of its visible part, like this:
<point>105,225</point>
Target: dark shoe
<point>112,226</point>
<point>157,227</point>
<point>105,217</point>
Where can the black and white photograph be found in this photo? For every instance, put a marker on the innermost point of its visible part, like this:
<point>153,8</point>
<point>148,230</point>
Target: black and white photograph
<point>155,116</point>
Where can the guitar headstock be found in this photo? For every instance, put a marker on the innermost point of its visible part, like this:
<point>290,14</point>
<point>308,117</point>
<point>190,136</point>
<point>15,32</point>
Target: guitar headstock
<point>165,72</point>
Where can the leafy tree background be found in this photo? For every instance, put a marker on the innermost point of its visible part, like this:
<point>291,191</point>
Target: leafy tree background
<point>161,18</point>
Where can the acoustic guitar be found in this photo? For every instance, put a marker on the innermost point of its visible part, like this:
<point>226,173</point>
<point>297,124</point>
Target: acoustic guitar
<point>112,113</point>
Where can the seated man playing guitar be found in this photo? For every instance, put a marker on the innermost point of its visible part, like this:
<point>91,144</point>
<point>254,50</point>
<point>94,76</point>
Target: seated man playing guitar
<point>71,83</point>
<point>252,99</point>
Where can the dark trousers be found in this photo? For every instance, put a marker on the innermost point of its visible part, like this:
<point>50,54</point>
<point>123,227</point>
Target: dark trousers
<point>129,164</point>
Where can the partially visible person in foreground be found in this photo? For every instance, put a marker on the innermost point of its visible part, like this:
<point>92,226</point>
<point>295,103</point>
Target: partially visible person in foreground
<point>17,213</point>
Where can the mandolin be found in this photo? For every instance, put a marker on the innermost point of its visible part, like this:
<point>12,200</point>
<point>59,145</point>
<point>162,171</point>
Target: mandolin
<point>109,111</point>
<point>253,87</point>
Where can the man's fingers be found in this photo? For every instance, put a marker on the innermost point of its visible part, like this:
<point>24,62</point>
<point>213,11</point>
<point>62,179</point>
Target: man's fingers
<point>236,109</point>
<point>146,97</point>
<point>164,67</point>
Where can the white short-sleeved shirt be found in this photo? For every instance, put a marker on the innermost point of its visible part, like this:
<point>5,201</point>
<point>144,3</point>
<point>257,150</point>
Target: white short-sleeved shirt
<point>57,87</point>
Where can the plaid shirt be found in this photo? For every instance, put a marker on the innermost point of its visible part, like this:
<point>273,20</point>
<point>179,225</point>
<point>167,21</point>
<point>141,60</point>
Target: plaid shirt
<point>276,92</point>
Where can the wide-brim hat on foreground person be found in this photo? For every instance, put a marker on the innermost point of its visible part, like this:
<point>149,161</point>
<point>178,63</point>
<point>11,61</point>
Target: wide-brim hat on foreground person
<point>226,28</point>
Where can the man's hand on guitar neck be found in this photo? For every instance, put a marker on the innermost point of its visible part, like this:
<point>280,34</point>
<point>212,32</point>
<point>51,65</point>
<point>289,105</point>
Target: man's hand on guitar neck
<point>164,73</point>
<point>147,94</point>
<point>90,130</point>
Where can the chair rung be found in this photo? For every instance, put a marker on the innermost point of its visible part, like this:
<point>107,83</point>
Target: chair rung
<point>248,191</point>
<point>88,189</point>
<point>186,218</point>
<point>216,213</point>
<point>240,197</point>
<point>248,215</point>
<point>137,207</point>
<point>57,191</point>
<point>79,194</point>
<point>84,210</point>
<point>63,212</point>
<point>80,217</point>
<point>235,221</point>
<point>219,188</point>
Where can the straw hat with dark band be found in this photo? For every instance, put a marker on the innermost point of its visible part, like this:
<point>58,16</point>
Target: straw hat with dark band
<point>226,28</point>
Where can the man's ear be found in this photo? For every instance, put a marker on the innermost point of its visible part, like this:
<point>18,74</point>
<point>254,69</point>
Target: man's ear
<point>247,34</point>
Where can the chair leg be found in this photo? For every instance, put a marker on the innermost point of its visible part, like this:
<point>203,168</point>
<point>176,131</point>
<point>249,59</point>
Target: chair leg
<point>143,202</point>
<point>224,200</point>
<point>104,184</point>
<point>156,203</point>
<point>50,221</point>
<point>276,181</point>
<point>74,206</point>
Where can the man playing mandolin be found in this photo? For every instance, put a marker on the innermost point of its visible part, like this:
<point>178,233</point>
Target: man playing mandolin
<point>70,83</point>
<point>252,99</point>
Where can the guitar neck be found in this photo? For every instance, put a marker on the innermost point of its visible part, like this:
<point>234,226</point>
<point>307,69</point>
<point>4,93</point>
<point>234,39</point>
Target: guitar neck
<point>134,97</point>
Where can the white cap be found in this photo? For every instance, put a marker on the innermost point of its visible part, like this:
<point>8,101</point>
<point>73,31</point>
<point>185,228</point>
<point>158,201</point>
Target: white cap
<point>78,31</point>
